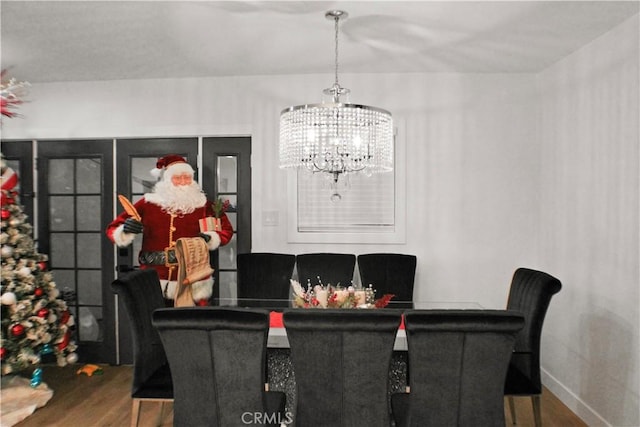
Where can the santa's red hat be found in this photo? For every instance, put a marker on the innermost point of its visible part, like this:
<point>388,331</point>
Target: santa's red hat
<point>170,165</point>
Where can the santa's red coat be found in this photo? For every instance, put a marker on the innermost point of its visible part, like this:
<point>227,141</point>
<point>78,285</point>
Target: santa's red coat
<point>156,235</point>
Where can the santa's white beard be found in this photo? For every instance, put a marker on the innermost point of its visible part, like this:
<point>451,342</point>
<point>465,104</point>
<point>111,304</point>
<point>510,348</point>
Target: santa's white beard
<point>177,199</point>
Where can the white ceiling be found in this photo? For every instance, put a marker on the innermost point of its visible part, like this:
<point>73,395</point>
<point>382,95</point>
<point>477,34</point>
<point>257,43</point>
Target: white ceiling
<point>50,41</point>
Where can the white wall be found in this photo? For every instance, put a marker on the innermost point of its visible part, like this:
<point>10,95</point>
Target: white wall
<point>481,165</point>
<point>589,226</point>
<point>471,151</point>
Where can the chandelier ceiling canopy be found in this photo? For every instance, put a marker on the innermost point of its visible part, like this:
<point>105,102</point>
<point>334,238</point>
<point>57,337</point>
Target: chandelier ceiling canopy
<point>336,137</point>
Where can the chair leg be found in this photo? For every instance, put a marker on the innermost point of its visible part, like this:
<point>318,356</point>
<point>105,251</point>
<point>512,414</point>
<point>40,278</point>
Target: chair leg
<point>160,414</point>
<point>537,416</point>
<point>135,412</point>
<point>512,409</point>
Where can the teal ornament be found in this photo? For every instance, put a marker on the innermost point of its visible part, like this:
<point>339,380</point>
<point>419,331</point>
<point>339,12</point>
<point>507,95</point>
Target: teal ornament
<point>46,349</point>
<point>36,378</point>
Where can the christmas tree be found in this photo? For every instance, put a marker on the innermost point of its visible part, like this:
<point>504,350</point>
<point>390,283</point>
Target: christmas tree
<point>35,319</point>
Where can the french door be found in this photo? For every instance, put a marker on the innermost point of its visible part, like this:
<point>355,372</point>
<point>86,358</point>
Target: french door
<point>74,204</point>
<point>76,199</point>
<point>226,173</point>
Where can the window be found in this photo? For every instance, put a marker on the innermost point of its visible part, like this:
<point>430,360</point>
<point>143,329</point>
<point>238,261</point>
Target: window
<point>371,208</point>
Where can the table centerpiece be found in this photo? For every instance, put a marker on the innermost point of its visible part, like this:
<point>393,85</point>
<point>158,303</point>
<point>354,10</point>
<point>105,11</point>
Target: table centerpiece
<point>329,296</point>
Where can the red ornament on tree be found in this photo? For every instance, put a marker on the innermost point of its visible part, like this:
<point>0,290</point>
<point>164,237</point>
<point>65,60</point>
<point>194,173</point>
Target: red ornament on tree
<point>5,214</point>
<point>64,317</point>
<point>17,330</point>
<point>65,341</point>
<point>42,265</point>
<point>38,292</point>
<point>43,312</point>
<point>3,351</point>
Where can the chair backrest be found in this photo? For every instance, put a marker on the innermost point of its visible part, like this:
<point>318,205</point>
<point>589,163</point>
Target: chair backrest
<point>218,362</point>
<point>389,273</point>
<point>530,293</point>
<point>332,268</point>
<point>141,294</point>
<point>459,361</point>
<point>341,361</point>
<point>265,275</point>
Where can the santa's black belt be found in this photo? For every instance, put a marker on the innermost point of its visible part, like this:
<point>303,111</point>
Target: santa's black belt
<point>158,257</point>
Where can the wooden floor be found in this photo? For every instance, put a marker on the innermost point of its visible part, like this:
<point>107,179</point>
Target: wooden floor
<point>104,400</point>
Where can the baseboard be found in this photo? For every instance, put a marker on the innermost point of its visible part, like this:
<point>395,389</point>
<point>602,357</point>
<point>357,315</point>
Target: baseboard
<point>573,402</point>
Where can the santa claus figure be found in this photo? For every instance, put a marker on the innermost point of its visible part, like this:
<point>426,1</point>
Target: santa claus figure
<point>172,211</point>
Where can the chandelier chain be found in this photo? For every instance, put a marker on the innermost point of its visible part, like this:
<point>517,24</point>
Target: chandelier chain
<point>336,19</point>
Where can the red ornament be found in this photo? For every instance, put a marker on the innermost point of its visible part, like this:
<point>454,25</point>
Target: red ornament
<point>64,317</point>
<point>17,330</point>
<point>3,351</point>
<point>42,265</point>
<point>38,292</point>
<point>65,341</point>
<point>43,312</point>
<point>5,214</point>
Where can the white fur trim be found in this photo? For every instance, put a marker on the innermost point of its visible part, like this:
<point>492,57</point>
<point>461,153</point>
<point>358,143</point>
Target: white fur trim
<point>170,288</point>
<point>156,173</point>
<point>122,239</point>
<point>202,289</point>
<point>214,243</point>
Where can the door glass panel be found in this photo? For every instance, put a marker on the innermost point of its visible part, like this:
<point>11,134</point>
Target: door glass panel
<point>233,202</point>
<point>61,213</point>
<point>88,213</point>
<point>233,219</point>
<point>90,287</point>
<point>228,284</point>
<point>88,175</point>
<point>65,279</point>
<point>63,250</point>
<point>227,255</point>
<point>89,322</point>
<point>141,179</point>
<point>60,176</point>
<point>227,174</point>
<point>89,250</point>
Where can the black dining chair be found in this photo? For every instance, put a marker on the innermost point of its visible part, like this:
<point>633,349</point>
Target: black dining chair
<point>389,273</point>
<point>331,268</point>
<point>265,276</point>
<point>530,293</point>
<point>341,362</point>
<point>458,361</point>
<point>218,360</point>
<point>141,294</point>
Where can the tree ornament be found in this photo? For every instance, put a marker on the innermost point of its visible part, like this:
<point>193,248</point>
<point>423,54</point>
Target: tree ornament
<point>36,378</point>
<point>65,341</point>
<point>43,312</point>
<point>17,330</point>
<point>42,265</point>
<point>8,298</point>
<point>64,317</point>
<point>5,214</point>
<point>38,292</point>
<point>6,251</point>
<point>3,351</point>
<point>46,349</point>
<point>72,358</point>
<point>24,271</point>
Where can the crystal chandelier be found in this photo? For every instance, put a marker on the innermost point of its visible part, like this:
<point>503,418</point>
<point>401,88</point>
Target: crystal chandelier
<point>336,137</point>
